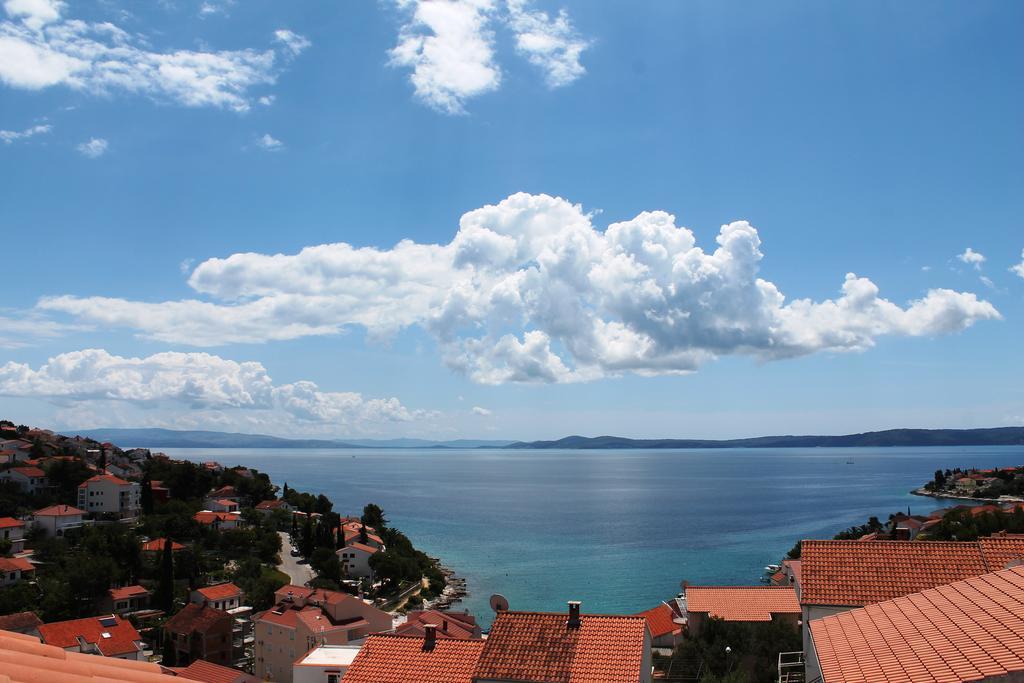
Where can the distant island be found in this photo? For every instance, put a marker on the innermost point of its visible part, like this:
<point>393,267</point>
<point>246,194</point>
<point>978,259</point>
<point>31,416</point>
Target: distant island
<point>170,438</point>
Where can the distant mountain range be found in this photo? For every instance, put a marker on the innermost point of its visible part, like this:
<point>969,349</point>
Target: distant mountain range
<point>171,438</point>
<point>998,436</point>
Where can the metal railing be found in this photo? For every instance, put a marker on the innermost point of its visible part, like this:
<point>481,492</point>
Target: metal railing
<point>791,667</point>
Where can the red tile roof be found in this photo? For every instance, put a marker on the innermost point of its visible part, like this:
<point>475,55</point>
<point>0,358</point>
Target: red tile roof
<point>208,672</point>
<point>23,659</point>
<point>157,546</point>
<point>270,505</point>
<point>742,603</point>
<point>660,620</point>
<point>103,477</point>
<point>121,640</point>
<point>20,622</point>
<point>965,631</point>
<point>220,591</point>
<point>194,618</point>
<point>534,646</point>
<point>388,658</point>
<point>857,573</point>
<point>209,517</point>
<point>59,511</point>
<point>11,564</point>
<point>449,624</point>
<point>10,522</point>
<point>127,592</point>
<point>29,471</point>
<point>369,549</point>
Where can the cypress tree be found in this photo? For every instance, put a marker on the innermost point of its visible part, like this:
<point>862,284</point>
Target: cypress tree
<point>146,495</point>
<point>165,588</point>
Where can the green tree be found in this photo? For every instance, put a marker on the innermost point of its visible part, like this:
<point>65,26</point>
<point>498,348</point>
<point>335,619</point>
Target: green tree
<point>373,516</point>
<point>146,494</point>
<point>306,545</point>
<point>164,596</point>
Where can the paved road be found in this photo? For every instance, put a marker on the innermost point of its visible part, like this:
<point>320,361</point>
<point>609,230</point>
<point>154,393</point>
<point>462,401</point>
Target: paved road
<point>299,573</point>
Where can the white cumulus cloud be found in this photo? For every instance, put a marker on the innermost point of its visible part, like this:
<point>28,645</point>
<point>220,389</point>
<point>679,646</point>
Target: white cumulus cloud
<point>9,136</point>
<point>269,143</point>
<point>198,383</point>
<point>482,412</point>
<point>1019,268</point>
<point>549,43</point>
<point>450,49</point>
<point>41,48</point>
<point>530,290</point>
<point>972,258</point>
<point>93,148</point>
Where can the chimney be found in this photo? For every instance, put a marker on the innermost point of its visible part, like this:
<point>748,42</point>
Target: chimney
<point>444,625</point>
<point>429,636</point>
<point>574,614</point>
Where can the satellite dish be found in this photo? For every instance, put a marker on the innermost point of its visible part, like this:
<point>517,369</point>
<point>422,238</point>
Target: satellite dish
<point>499,603</point>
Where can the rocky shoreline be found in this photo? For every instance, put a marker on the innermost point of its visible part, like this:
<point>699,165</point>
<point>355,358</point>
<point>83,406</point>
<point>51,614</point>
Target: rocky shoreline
<point>454,588</point>
<point>951,496</point>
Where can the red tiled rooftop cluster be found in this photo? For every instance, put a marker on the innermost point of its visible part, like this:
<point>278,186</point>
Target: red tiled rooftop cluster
<point>857,573</point>
<point>388,658</point>
<point>964,631</point>
<point>120,636</point>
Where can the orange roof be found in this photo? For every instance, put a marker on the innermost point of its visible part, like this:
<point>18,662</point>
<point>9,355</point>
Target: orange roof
<point>208,672</point>
<point>11,564</point>
<point>270,504</point>
<point>10,522</point>
<point>859,573</point>
<point>196,618</point>
<point>742,603</point>
<point>20,622</point>
<point>535,646</point>
<point>28,471</point>
<point>965,631</point>
<point>127,592</point>
<point>103,477</point>
<point>209,517</point>
<point>59,511</point>
<point>388,658</point>
<point>157,545</point>
<point>660,620</point>
<point>449,624</point>
<point>121,640</point>
<point>23,659</point>
<point>369,549</point>
<point>220,591</point>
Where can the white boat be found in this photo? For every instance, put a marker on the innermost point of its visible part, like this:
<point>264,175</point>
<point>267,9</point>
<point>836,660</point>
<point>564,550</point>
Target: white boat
<point>772,568</point>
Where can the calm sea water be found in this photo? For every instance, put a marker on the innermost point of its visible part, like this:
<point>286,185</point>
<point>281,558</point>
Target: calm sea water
<point>616,529</point>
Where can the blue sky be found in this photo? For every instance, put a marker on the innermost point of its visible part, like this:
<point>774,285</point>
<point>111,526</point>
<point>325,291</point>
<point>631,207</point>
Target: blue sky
<point>156,156</point>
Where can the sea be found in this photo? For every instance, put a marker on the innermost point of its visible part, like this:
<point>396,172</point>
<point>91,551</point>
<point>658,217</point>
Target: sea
<point>617,529</point>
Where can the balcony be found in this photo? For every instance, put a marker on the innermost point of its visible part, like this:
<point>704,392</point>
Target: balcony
<point>791,667</point>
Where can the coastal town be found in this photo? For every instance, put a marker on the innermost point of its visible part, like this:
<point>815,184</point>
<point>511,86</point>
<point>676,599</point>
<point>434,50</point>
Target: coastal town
<point>129,565</point>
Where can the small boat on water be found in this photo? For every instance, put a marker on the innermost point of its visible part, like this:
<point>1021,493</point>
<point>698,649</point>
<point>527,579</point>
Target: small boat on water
<point>772,568</point>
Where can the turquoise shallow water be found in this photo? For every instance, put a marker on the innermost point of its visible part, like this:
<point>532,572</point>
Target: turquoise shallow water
<point>616,529</point>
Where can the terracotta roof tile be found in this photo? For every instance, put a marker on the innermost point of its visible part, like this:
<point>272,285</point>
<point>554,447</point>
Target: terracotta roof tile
<point>965,631</point>
<point>857,573</point>
<point>208,672</point>
<point>59,511</point>
<point>127,592</point>
<point>660,620</point>
<point>534,646</point>
<point>10,522</point>
<point>1000,551</point>
<point>121,640</point>
<point>23,659</point>
<point>103,477</point>
<point>220,591</point>
<point>28,471</point>
<point>195,618</point>
<point>449,624</point>
<point>156,545</point>
<point>11,564</point>
<point>742,603</point>
<point>20,622</point>
<point>388,658</point>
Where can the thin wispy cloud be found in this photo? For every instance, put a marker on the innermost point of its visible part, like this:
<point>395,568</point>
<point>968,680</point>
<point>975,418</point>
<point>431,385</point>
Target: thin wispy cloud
<point>482,412</point>
<point>293,42</point>
<point>41,48</point>
<point>93,148</point>
<point>530,290</point>
<point>10,136</point>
